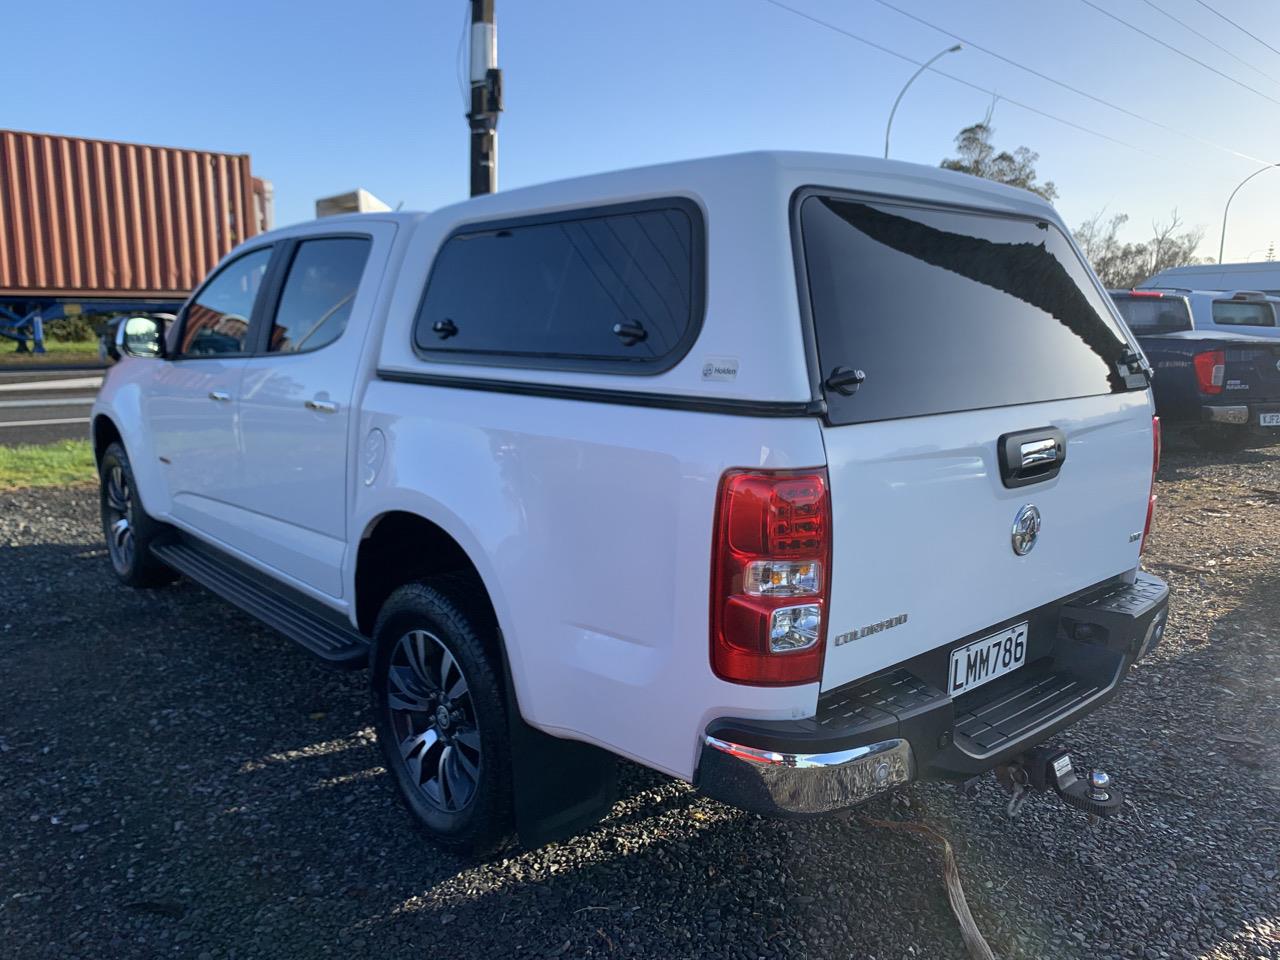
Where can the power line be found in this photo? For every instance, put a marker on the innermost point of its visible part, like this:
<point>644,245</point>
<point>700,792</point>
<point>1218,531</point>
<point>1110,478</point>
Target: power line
<point>1209,40</point>
<point>1181,53</point>
<point>950,76</point>
<point>1066,86</point>
<point>1237,26</point>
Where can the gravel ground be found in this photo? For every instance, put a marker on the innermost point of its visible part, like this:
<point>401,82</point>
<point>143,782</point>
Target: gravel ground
<point>177,781</point>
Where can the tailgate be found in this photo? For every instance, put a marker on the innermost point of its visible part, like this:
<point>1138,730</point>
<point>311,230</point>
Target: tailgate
<point>923,524</point>
<point>967,333</point>
<point>1253,371</point>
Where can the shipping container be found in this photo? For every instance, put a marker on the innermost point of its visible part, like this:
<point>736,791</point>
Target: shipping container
<point>98,218</point>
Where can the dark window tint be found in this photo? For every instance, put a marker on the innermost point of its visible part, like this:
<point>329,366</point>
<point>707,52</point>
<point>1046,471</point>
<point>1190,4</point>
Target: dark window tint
<point>316,300</point>
<point>1244,313</point>
<point>944,310</point>
<point>1147,315</point>
<point>605,290</point>
<point>217,320</point>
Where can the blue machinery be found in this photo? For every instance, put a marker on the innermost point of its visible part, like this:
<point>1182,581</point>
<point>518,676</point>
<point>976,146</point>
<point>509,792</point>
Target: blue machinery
<point>24,319</point>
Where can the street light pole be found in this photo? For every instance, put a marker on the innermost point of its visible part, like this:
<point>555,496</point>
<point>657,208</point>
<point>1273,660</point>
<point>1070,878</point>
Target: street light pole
<point>1223,241</point>
<point>923,67</point>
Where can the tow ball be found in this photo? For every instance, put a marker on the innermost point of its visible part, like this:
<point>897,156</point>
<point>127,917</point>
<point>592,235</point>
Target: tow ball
<point>1050,768</point>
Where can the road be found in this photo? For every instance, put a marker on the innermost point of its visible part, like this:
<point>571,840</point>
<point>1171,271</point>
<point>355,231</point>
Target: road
<point>38,406</point>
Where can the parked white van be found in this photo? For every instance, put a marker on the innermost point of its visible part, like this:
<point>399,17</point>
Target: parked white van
<point>1219,276</point>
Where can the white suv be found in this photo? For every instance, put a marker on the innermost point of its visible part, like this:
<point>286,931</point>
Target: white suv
<point>794,476</point>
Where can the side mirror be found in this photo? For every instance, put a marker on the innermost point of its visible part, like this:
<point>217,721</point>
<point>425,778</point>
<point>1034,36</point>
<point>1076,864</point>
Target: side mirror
<point>140,337</point>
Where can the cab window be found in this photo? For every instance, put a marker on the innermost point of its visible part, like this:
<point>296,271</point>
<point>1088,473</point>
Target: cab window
<point>216,321</point>
<point>315,303</point>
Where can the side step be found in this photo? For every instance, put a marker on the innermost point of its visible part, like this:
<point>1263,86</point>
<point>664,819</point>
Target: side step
<point>296,616</point>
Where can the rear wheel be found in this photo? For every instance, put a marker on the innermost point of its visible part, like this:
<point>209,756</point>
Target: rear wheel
<point>128,529</point>
<point>441,717</point>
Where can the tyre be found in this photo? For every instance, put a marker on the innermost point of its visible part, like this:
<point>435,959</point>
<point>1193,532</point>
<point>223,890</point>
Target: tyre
<point>1222,439</point>
<point>441,716</point>
<point>128,529</point>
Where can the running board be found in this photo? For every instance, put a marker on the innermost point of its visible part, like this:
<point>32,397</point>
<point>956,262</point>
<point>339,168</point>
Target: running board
<point>296,616</point>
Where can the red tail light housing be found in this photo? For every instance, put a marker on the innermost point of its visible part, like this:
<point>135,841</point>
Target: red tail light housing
<point>770,576</point>
<point>1155,468</point>
<point>1211,369</point>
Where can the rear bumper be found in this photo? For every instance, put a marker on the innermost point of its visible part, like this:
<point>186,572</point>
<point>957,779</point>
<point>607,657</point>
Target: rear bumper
<point>900,725</point>
<point>1246,415</point>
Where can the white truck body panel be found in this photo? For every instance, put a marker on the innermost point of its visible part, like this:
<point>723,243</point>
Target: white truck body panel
<point>592,523</point>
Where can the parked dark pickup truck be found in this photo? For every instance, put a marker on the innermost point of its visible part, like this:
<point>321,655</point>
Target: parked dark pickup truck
<point>1227,385</point>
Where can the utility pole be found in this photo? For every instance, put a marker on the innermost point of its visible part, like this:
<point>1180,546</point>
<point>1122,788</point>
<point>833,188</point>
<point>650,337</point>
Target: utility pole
<point>486,98</point>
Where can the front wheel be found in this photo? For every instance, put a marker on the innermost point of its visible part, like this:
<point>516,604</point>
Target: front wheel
<point>128,529</point>
<point>441,717</point>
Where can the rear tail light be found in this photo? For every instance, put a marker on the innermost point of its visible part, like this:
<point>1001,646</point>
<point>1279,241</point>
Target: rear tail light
<point>770,566</point>
<point>1211,368</point>
<point>1155,468</point>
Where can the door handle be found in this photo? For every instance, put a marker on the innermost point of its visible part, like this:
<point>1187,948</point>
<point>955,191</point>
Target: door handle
<point>322,406</point>
<point>220,395</point>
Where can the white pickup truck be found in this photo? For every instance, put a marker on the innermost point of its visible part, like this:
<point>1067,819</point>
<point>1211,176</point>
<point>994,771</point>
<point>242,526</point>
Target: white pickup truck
<point>794,476</point>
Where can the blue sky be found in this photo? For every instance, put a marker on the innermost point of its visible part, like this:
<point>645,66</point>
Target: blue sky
<point>329,95</point>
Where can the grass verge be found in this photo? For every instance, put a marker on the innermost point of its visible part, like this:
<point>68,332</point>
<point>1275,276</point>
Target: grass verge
<point>47,464</point>
<point>77,351</point>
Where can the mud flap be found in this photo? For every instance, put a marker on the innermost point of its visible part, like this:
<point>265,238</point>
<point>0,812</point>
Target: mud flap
<point>561,787</point>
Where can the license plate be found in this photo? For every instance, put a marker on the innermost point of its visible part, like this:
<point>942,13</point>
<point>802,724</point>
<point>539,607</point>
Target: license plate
<point>975,663</point>
<point>1269,419</point>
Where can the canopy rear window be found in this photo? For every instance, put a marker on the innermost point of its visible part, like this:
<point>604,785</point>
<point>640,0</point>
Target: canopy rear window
<point>1147,315</point>
<point>946,310</point>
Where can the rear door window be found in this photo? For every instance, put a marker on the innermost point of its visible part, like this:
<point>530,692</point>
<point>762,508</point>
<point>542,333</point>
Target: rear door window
<point>315,303</point>
<point>616,289</point>
<point>946,310</point>
<point>1151,315</point>
<point>1244,313</point>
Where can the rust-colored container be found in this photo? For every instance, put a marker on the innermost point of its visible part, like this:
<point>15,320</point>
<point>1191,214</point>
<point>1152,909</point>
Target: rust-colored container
<point>89,218</point>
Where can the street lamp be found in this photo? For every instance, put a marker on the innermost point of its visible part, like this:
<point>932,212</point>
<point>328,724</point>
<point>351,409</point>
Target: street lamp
<point>923,67</point>
<point>1223,242</point>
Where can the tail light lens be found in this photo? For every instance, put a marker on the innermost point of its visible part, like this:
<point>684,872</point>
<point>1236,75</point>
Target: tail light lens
<point>1211,368</point>
<point>1155,468</point>
<point>770,566</point>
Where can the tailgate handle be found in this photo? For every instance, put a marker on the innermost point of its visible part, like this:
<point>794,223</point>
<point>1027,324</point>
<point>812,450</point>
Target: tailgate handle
<point>1031,456</point>
<point>1039,451</point>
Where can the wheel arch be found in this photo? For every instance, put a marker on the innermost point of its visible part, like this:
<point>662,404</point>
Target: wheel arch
<point>104,432</point>
<point>400,546</point>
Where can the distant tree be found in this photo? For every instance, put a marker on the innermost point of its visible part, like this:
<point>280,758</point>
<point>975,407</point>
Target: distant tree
<point>1123,265</point>
<point>978,156</point>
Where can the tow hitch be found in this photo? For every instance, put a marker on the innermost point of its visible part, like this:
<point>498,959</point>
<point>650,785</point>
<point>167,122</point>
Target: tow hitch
<point>1050,768</point>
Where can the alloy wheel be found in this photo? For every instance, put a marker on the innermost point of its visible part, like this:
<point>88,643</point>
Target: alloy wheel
<point>119,519</point>
<point>434,721</point>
